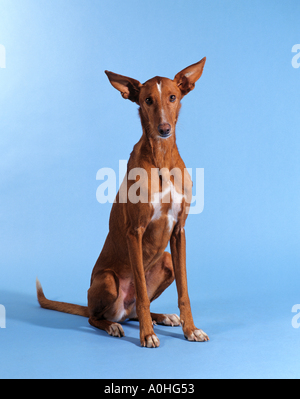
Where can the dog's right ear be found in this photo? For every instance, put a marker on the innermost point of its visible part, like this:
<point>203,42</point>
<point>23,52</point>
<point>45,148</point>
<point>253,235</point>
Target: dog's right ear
<point>128,87</point>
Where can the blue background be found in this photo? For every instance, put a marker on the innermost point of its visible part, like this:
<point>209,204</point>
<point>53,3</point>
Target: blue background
<point>61,121</point>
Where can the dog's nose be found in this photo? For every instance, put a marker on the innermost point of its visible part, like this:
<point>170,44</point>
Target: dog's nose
<point>164,129</point>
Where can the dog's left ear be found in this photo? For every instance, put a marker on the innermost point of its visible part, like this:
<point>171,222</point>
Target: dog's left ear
<point>187,78</point>
<point>128,87</point>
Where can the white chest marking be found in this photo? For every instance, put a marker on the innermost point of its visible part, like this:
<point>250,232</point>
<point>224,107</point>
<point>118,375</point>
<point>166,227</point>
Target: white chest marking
<point>175,208</point>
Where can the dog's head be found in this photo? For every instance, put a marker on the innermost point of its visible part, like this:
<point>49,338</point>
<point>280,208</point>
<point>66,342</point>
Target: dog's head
<point>159,98</point>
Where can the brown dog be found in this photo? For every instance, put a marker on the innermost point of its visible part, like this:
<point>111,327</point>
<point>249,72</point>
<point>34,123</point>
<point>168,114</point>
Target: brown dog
<point>150,210</point>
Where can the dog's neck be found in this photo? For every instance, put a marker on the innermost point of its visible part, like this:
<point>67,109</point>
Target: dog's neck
<point>164,152</point>
<point>161,152</point>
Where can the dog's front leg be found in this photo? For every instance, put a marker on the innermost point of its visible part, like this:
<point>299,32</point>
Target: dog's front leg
<point>134,242</point>
<point>178,252</point>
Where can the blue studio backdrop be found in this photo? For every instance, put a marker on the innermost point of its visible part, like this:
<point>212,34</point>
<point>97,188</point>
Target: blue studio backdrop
<point>61,121</point>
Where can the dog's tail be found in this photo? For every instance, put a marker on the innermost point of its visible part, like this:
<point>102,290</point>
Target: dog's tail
<point>59,306</point>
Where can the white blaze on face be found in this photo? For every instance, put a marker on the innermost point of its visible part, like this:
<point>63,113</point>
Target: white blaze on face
<point>159,85</point>
<point>159,88</point>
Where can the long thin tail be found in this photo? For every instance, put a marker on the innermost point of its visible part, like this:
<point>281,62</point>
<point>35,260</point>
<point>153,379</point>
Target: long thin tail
<point>59,306</point>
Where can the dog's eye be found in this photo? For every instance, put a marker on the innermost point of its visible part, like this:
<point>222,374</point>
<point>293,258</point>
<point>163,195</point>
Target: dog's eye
<point>172,98</point>
<point>148,100</point>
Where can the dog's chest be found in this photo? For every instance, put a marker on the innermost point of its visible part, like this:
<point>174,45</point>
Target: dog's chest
<point>167,205</point>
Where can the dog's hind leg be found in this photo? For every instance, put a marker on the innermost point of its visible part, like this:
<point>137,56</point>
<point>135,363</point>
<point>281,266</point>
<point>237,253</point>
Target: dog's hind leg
<point>103,303</point>
<point>112,328</point>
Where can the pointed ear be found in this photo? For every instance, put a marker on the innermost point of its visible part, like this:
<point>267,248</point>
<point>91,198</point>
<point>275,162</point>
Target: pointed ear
<point>128,87</point>
<point>187,78</point>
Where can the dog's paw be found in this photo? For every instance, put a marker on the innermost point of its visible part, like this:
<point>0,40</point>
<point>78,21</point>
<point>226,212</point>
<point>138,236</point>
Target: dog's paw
<point>115,330</point>
<point>171,320</point>
<point>197,335</point>
<point>150,341</point>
